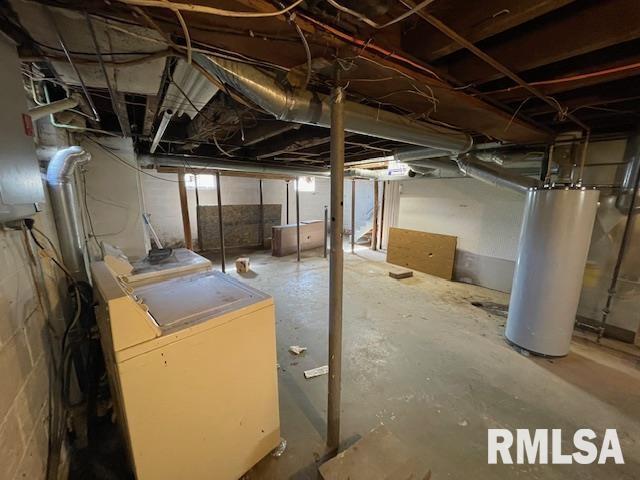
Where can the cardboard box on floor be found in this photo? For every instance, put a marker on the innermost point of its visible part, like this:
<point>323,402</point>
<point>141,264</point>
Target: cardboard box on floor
<point>284,239</point>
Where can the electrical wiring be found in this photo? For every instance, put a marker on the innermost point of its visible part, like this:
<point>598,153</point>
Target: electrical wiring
<point>209,119</point>
<point>224,152</point>
<point>51,342</point>
<point>307,52</point>
<point>174,6</point>
<point>208,50</point>
<point>376,25</point>
<point>572,78</point>
<point>124,162</point>
<point>76,52</point>
<point>86,208</point>
<point>60,370</point>
<point>208,28</point>
<point>347,63</point>
<point>368,45</point>
<point>187,37</point>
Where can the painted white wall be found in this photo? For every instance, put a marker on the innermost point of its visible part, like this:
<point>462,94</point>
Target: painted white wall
<point>162,202</point>
<point>113,197</point>
<point>485,219</point>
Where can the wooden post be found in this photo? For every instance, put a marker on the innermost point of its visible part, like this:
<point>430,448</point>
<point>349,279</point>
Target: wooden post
<point>326,230</point>
<point>195,181</point>
<point>184,208</point>
<point>384,191</point>
<point>374,227</point>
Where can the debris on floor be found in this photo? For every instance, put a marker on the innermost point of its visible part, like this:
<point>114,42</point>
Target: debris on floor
<point>400,274</point>
<point>242,265</point>
<point>316,372</point>
<point>297,349</point>
<point>279,450</point>
<point>493,308</point>
<point>376,456</point>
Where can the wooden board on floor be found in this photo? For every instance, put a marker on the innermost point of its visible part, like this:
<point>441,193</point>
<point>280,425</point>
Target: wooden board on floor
<point>430,253</point>
<point>379,455</point>
<point>400,274</point>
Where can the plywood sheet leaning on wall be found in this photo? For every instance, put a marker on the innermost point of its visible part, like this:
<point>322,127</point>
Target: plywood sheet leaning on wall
<point>430,253</point>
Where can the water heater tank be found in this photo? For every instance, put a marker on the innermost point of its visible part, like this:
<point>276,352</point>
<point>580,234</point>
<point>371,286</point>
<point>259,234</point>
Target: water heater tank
<point>553,248</point>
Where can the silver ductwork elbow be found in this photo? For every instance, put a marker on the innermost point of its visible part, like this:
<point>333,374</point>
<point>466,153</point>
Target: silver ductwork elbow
<point>627,175</point>
<point>306,107</point>
<point>495,175</point>
<point>65,208</point>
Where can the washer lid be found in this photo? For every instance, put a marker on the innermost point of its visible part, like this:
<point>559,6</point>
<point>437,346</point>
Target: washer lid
<point>181,261</point>
<point>183,301</point>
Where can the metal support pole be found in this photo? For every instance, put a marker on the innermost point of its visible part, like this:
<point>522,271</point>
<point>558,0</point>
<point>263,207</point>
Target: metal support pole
<point>261,232</point>
<point>298,218</point>
<point>374,227</point>
<point>353,215</point>
<point>336,269</point>
<point>220,227</point>
<point>326,229</point>
<point>384,191</point>
<point>287,184</point>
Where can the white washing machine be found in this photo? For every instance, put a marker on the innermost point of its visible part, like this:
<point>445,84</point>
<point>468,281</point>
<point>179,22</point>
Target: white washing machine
<point>191,355</point>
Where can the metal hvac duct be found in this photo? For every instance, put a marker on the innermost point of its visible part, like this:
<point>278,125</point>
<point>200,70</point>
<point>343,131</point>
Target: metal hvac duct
<point>425,161</point>
<point>552,252</point>
<point>47,109</point>
<point>495,175</point>
<point>65,209</point>
<point>230,165</point>
<point>628,174</point>
<point>303,106</point>
<point>259,168</point>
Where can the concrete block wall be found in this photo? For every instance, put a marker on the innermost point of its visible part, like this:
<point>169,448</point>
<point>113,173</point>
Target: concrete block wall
<point>24,355</point>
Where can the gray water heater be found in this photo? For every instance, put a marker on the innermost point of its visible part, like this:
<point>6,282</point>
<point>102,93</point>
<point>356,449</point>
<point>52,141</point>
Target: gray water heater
<point>552,253</point>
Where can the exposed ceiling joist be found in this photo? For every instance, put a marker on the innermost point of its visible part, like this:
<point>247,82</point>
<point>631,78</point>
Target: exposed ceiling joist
<point>585,77</point>
<point>456,107</point>
<point>574,31</point>
<point>475,24</point>
<point>268,130</point>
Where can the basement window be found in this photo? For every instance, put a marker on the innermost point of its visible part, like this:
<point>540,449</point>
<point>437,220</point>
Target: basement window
<point>206,182</point>
<point>307,184</point>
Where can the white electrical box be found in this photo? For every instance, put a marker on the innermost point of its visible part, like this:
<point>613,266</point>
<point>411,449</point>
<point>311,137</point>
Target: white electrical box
<point>20,181</point>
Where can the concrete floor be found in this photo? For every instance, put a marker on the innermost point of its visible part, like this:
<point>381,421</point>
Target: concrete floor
<point>419,358</point>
